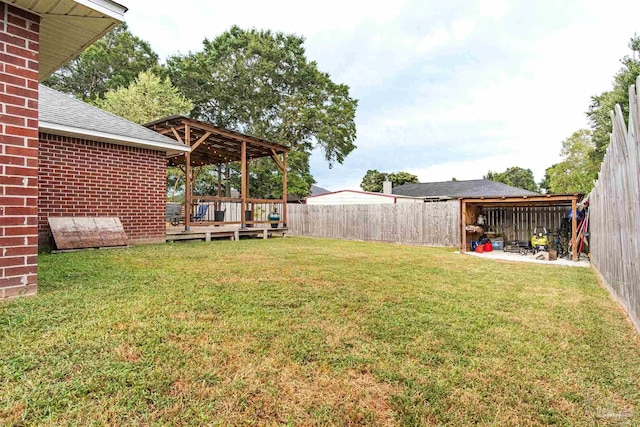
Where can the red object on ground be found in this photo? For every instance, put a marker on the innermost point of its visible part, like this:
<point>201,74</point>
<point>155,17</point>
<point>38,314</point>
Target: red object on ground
<point>480,249</point>
<point>488,247</point>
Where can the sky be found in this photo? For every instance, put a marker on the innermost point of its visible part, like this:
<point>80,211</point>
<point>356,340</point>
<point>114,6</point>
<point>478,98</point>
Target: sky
<point>445,89</point>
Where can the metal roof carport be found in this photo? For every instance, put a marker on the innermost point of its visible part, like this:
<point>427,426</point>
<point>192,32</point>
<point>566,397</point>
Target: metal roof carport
<point>469,210</point>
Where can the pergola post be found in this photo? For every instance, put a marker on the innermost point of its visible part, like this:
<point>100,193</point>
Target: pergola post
<point>188,186</point>
<point>284,189</point>
<point>244,185</point>
<point>218,205</point>
<point>574,228</point>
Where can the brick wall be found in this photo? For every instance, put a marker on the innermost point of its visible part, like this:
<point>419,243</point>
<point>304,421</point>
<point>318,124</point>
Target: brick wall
<point>19,36</point>
<point>87,178</point>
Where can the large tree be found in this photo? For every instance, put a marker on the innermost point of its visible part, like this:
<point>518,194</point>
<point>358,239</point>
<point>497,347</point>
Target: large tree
<point>577,172</point>
<point>113,61</point>
<point>602,104</point>
<point>516,177</point>
<point>261,83</point>
<point>147,98</point>
<point>373,179</point>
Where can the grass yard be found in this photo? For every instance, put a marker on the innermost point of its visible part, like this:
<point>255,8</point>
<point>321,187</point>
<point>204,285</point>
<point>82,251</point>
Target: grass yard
<point>314,332</point>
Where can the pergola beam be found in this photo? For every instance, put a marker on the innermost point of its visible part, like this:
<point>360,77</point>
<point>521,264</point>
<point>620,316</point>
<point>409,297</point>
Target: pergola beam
<point>233,135</point>
<point>279,163</point>
<point>177,135</point>
<point>202,139</point>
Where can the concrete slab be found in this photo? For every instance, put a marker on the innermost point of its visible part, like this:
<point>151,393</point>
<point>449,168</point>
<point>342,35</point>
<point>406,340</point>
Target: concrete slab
<point>515,257</point>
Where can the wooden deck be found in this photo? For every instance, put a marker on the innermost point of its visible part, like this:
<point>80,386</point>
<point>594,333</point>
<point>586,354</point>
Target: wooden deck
<point>232,232</point>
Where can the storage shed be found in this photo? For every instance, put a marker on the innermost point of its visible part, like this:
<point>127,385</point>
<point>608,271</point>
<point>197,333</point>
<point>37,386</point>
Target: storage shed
<point>516,217</point>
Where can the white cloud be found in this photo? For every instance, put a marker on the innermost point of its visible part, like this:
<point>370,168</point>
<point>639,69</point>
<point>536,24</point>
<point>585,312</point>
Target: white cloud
<point>455,88</point>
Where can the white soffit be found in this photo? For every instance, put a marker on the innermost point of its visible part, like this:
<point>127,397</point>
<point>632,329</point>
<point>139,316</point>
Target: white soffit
<point>68,27</point>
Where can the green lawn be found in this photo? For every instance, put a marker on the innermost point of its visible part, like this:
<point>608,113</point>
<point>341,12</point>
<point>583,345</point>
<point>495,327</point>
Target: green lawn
<point>314,332</point>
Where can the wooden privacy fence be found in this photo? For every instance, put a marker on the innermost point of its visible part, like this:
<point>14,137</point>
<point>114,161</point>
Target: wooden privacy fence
<point>614,206</point>
<point>433,224</point>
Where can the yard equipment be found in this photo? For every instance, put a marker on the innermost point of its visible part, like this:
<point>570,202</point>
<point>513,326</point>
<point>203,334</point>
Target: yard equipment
<point>558,244</point>
<point>517,246</point>
<point>582,237</point>
<point>540,239</point>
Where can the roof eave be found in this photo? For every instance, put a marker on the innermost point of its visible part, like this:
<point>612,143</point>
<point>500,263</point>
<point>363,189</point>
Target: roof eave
<point>170,148</point>
<point>107,7</point>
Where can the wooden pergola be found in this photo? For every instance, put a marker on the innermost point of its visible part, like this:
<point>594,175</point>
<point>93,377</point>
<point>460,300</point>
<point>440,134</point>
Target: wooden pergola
<point>212,145</point>
<point>470,206</point>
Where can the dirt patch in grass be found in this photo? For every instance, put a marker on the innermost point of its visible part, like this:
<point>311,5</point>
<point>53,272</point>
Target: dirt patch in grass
<point>127,352</point>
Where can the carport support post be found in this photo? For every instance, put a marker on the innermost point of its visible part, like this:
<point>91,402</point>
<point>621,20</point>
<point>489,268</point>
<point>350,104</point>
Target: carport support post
<point>574,227</point>
<point>463,226</point>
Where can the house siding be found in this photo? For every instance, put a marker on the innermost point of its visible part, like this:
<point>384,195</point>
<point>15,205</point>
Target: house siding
<point>87,178</point>
<point>19,56</point>
<point>349,197</point>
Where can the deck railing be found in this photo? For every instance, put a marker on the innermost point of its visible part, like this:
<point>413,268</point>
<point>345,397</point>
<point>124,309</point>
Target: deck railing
<point>230,211</point>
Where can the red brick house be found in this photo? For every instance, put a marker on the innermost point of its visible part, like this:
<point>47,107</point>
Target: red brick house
<point>78,160</point>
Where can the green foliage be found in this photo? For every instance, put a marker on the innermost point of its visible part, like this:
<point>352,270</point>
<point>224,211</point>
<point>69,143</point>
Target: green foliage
<point>603,104</point>
<point>175,185</point>
<point>514,176</point>
<point>262,84</point>
<point>400,178</point>
<point>577,172</point>
<point>265,180</point>
<point>584,150</point>
<point>113,61</point>
<point>146,99</point>
<point>373,179</point>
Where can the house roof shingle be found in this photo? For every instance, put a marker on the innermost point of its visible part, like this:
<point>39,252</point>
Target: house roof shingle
<point>316,191</point>
<point>459,189</point>
<point>61,113</point>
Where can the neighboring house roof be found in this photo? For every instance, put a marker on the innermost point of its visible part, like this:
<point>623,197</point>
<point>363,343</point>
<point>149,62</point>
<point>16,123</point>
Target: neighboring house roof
<point>63,114</point>
<point>69,27</point>
<point>459,189</point>
<point>316,191</point>
<point>393,196</point>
